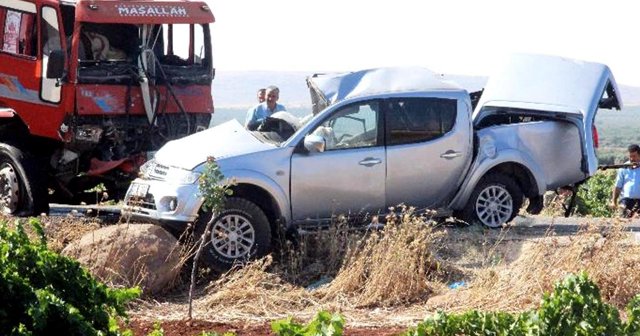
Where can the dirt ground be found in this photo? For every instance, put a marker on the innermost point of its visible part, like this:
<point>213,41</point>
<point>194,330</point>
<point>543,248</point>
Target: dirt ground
<point>197,327</point>
<point>483,262</point>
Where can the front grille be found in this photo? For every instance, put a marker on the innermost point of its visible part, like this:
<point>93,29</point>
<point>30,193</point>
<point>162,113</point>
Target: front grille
<point>147,202</point>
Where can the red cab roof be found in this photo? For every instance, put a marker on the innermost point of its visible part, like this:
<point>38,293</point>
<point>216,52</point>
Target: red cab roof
<point>143,11</point>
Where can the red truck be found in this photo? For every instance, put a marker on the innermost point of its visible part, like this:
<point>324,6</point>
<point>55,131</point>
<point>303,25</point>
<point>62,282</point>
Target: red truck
<point>89,88</point>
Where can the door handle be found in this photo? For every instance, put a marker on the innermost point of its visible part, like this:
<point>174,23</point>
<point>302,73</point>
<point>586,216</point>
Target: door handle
<point>450,154</point>
<point>370,162</point>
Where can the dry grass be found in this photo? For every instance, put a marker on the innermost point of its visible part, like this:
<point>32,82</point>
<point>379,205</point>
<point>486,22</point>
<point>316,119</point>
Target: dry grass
<point>394,266</point>
<point>59,230</point>
<point>255,290</point>
<point>389,267</point>
<point>608,255</point>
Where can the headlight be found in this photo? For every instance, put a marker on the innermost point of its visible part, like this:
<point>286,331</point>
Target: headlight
<point>146,168</point>
<point>181,176</point>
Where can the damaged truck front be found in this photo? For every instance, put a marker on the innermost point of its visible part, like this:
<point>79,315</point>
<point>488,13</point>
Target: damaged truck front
<point>382,137</point>
<point>89,88</point>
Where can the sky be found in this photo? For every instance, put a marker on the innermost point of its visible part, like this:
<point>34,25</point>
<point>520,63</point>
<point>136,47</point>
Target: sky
<point>447,36</point>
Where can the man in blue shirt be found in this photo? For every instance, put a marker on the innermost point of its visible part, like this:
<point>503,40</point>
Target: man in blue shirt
<point>257,115</point>
<point>628,184</point>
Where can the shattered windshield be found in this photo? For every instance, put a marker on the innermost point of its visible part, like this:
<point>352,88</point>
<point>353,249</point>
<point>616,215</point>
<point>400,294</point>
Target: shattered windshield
<point>179,53</point>
<point>276,130</point>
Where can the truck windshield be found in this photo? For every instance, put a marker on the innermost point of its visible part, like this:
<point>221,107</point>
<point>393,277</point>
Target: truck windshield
<point>114,53</point>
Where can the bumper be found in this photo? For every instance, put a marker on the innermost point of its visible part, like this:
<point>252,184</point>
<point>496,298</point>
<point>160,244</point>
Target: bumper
<point>162,202</point>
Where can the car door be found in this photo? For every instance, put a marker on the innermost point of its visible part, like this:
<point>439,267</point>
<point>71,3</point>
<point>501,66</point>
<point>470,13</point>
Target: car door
<point>428,149</point>
<point>348,177</point>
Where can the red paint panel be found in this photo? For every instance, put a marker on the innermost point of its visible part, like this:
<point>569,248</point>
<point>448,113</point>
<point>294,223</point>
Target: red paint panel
<point>112,99</point>
<point>20,90</point>
<point>143,12</point>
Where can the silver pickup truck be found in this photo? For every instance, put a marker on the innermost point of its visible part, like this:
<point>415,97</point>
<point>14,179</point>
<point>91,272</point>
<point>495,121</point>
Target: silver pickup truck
<point>387,136</point>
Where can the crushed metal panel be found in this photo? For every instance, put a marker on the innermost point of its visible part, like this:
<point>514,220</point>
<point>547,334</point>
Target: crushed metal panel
<point>333,88</point>
<point>554,145</point>
<point>551,81</point>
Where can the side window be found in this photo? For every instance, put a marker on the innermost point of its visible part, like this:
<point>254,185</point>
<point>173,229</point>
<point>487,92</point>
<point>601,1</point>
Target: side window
<point>412,120</point>
<point>18,32</point>
<point>50,32</point>
<point>353,126</point>
<point>181,44</point>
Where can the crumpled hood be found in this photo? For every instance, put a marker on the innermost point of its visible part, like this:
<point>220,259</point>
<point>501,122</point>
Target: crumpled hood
<point>225,140</point>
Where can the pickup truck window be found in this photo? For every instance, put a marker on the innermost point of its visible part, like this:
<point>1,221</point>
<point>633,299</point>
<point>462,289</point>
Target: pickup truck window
<point>411,120</point>
<point>353,126</point>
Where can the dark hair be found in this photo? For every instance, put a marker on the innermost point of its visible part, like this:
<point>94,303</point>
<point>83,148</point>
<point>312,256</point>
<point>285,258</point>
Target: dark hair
<point>634,148</point>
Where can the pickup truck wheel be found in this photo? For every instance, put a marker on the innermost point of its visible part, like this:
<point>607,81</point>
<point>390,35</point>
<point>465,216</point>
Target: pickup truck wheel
<point>23,189</point>
<point>238,234</point>
<point>495,201</point>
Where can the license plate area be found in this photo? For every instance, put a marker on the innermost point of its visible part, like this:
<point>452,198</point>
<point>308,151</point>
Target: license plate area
<point>138,190</point>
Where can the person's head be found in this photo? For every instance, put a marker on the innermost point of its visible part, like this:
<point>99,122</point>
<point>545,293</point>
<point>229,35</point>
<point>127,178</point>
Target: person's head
<point>272,95</point>
<point>261,95</point>
<point>634,153</point>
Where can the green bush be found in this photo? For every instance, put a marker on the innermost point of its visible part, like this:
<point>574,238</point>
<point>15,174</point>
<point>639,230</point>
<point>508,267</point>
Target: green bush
<point>324,324</point>
<point>576,308</point>
<point>573,308</point>
<point>42,292</point>
<point>595,195</point>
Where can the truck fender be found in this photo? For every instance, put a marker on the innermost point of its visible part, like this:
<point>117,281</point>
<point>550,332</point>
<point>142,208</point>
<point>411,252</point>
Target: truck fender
<point>484,164</point>
<point>252,177</point>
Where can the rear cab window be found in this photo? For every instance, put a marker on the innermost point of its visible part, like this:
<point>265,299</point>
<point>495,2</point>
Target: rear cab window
<point>413,120</point>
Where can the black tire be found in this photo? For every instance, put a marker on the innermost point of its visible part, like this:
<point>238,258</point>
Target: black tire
<point>495,201</point>
<point>253,227</point>
<point>23,183</point>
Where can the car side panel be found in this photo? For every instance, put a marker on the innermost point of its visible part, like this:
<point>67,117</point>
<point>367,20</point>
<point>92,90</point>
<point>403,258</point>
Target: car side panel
<point>550,150</point>
<point>337,183</point>
<point>426,174</point>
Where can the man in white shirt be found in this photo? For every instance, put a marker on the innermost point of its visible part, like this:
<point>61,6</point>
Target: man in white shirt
<point>258,114</point>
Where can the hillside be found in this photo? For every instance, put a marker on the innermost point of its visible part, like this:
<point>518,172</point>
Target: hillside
<point>236,89</point>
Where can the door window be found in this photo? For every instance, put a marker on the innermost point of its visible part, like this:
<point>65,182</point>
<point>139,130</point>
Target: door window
<point>50,31</point>
<point>18,32</point>
<point>353,126</point>
<point>50,89</point>
<point>411,120</point>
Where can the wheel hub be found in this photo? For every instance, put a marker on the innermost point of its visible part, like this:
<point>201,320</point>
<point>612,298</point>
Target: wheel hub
<point>494,205</point>
<point>233,236</point>
<point>9,189</point>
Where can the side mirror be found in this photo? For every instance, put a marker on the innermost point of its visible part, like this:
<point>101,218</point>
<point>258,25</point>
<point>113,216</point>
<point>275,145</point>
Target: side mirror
<point>55,64</point>
<point>314,143</point>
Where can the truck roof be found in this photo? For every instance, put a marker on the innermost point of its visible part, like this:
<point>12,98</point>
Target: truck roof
<point>142,11</point>
<point>336,87</point>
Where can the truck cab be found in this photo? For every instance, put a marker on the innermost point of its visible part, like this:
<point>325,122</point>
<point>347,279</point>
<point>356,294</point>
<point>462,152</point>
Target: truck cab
<point>89,88</point>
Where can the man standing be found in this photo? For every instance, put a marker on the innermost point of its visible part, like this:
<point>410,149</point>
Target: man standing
<point>257,115</point>
<point>628,184</point>
<point>261,95</point>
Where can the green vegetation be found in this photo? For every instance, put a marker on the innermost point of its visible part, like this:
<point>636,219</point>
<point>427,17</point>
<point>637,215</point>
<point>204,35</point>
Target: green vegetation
<point>159,331</point>
<point>212,188</point>
<point>42,291</point>
<point>595,195</point>
<point>617,130</point>
<point>574,308</point>
<point>324,324</point>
